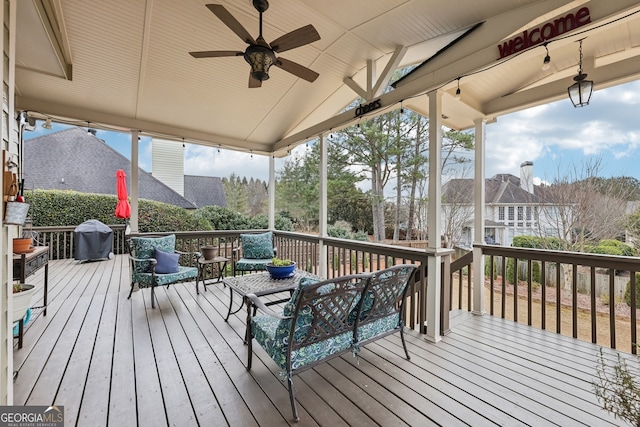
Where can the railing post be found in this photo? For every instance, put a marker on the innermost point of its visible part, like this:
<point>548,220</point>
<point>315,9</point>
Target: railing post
<point>478,282</point>
<point>434,269</point>
<point>445,306</point>
<point>322,262</point>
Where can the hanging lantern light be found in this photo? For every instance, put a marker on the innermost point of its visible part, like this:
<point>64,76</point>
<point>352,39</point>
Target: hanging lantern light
<point>580,92</point>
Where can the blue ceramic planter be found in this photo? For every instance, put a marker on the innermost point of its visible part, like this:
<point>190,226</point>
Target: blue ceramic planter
<point>281,272</point>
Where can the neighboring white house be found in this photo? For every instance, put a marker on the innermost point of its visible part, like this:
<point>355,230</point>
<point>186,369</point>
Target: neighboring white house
<point>513,207</point>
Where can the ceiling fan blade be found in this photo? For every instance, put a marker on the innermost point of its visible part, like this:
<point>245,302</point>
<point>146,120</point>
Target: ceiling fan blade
<point>297,69</point>
<point>253,83</point>
<point>231,22</point>
<point>215,53</point>
<point>295,38</point>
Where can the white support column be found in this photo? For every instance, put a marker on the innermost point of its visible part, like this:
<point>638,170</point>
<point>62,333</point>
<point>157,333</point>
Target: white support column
<point>134,182</point>
<point>479,220</point>
<point>322,226</point>
<point>272,193</point>
<point>434,214</point>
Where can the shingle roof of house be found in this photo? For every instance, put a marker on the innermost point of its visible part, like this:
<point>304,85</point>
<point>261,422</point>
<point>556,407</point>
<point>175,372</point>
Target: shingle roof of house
<point>499,189</point>
<point>73,159</point>
<point>204,190</point>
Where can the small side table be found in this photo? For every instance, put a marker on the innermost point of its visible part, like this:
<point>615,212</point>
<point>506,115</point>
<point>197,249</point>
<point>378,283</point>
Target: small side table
<point>26,264</point>
<point>218,263</point>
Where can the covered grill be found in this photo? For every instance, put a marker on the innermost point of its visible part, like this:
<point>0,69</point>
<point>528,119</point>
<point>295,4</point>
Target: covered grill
<point>93,241</point>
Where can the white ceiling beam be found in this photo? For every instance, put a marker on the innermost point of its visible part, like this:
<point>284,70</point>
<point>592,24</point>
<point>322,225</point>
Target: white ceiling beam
<point>78,115</point>
<point>478,50</point>
<point>371,78</point>
<point>388,71</point>
<point>355,87</point>
<point>603,77</point>
<point>375,85</point>
<point>50,13</point>
<point>146,39</point>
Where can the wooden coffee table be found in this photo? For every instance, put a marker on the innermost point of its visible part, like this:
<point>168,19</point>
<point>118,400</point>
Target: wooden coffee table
<point>260,284</point>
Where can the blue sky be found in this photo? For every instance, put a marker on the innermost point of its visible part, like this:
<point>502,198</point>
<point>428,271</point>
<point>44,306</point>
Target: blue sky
<point>556,137</point>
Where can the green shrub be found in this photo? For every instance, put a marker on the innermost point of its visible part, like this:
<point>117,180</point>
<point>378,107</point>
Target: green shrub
<point>360,236</point>
<point>55,208</point>
<point>535,242</point>
<point>262,222</point>
<point>222,218</point>
<point>487,267</point>
<point>161,217</point>
<point>617,388</point>
<point>522,271</point>
<point>342,230</point>
<point>627,292</point>
<point>338,231</point>
<point>613,247</point>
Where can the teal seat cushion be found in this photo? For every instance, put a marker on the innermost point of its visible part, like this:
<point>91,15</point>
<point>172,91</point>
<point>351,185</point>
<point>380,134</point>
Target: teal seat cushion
<point>184,273</point>
<point>384,324</point>
<point>266,331</point>
<point>144,247</point>
<point>257,246</point>
<point>246,264</point>
<point>273,334</point>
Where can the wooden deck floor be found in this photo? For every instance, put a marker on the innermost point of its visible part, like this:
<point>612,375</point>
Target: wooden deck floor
<point>113,361</point>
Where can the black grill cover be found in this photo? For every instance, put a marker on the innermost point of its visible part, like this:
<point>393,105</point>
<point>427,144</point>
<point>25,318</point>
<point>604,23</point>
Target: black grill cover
<point>93,240</point>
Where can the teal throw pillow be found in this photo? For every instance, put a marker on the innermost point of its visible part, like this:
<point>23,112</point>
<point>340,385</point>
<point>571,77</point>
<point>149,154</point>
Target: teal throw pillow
<point>257,246</point>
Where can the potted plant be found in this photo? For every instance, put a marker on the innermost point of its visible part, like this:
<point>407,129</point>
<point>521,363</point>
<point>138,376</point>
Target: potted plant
<point>209,252</point>
<point>22,294</point>
<point>22,245</point>
<point>281,268</point>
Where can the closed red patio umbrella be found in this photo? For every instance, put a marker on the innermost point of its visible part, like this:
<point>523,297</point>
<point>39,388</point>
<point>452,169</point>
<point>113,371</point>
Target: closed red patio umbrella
<point>123,209</point>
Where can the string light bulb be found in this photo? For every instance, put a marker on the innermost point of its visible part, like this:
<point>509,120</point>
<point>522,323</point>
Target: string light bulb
<point>458,90</point>
<point>47,124</point>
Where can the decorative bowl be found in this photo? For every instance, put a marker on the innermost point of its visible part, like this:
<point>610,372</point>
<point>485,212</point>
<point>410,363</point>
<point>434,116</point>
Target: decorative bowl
<point>281,272</point>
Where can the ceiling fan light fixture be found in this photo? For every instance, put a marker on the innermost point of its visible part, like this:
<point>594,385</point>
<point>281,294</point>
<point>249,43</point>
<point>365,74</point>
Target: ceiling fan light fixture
<point>261,59</point>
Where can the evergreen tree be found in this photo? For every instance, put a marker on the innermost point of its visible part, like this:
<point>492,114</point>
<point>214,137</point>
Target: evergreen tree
<point>235,193</point>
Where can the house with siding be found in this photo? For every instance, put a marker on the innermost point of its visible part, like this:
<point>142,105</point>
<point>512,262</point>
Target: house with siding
<point>514,206</point>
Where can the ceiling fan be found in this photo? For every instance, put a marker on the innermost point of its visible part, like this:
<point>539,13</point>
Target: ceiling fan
<point>260,54</point>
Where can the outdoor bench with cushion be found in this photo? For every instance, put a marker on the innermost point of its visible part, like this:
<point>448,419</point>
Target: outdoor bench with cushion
<point>331,317</point>
<point>154,262</point>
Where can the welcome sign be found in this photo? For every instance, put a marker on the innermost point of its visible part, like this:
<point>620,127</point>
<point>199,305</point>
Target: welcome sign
<point>544,32</point>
